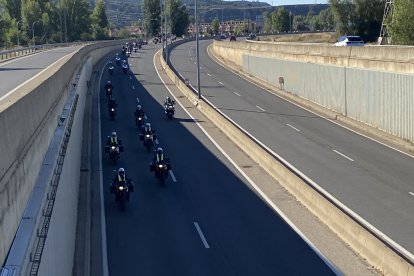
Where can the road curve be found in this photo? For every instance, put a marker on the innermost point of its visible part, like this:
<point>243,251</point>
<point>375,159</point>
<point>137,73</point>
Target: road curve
<point>208,222</point>
<point>17,71</point>
<point>373,180</point>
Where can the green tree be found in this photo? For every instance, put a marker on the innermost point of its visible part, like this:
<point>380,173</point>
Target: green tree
<point>99,21</point>
<point>13,8</point>
<point>78,19</point>
<point>215,26</point>
<point>342,11</point>
<point>402,24</point>
<point>281,20</point>
<point>179,18</point>
<point>152,16</point>
<point>268,22</point>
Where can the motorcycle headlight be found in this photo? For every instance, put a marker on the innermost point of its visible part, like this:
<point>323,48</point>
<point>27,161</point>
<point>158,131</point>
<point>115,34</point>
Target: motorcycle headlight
<point>160,166</point>
<point>112,109</point>
<point>113,147</point>
<point>139,119</point>
<point>148,136</point>
<point>121,188</point>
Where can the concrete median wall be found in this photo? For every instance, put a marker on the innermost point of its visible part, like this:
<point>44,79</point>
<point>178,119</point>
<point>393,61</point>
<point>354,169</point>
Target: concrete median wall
<point>371,85</point>
<point>345,226</point>
<point>29,118</point>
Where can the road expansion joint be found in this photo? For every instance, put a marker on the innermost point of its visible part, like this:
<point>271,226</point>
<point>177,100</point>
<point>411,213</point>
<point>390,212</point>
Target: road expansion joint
<point>339,253</point>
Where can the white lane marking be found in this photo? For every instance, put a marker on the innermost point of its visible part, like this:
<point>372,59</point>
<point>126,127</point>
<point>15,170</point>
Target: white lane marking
<point>221,83</point>
<point>137,100</point>
<point>10,92</point>
<point>237,94</point>
<point>103,221</point>
<point>201,68</point>
<point>411,193</point>
<point>200,233</point>
<point>208,74</point>
<point>130,77</point>
<point>262,194</point>
<point>133,87</point>
<point>343,155</point>
<point>173,176</point>
<point>293,127</point>
<point>260,108</point>
<point>195,62</point>
<point>304,108</point>
<point>145,116</point>
<point>156,142</point>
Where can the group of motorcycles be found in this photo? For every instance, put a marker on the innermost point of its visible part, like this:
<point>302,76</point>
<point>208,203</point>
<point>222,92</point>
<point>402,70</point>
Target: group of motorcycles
<point>121,185</point>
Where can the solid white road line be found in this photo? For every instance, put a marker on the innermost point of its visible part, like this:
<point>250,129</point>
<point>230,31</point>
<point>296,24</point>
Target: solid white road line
<point>237,94</point>
<point>343,155</point>
<point>293,127</point>
<point>208,74</point>
<point>173,176</point>
<point>103,221</point>
<point>411,193</point>
<point>200,233</point>
<point>260,192</point>
<point>260,108</point>
<point>10,92</point>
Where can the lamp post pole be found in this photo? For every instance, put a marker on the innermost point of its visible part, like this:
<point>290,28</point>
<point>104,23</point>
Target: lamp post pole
<point>166,31</point>
<point>197,52</point>
<point>34,43</point>
<point>18,42</point>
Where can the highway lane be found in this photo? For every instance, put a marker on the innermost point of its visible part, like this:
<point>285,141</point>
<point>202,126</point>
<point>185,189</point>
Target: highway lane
<point>373,180</point>
<point>165,231</point>
<point>17,71</point>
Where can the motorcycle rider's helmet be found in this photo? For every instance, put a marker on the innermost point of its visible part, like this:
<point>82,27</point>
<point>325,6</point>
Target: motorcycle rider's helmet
<point>168,99</point>
<point>139,107</point>
<point>159,150</point>
<point>114,134</point>
<point>121,172</point>
<point>109,82</point>
<point>148,126</point>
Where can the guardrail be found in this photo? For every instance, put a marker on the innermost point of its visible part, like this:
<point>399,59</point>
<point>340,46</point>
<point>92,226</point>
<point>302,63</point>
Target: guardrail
<point>374,245</point>
<point>22,51</point>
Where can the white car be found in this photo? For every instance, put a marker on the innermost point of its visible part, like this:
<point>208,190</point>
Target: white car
<point>350,41</point>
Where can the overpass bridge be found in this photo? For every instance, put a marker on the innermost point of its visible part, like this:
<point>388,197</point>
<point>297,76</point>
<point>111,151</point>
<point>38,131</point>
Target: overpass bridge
<point>208,218</point>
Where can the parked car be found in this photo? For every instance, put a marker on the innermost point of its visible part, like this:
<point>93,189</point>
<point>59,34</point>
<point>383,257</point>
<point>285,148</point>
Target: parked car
<point>233,38</point>
<point>222,36</point>
<point>347,40</point>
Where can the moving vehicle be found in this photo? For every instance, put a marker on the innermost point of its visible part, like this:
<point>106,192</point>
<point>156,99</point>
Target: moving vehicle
<point>350,41</point>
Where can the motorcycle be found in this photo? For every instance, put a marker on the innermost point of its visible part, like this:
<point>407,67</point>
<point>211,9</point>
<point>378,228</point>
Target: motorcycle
<point>108,93</point>
<point>121,191</point>
<point>148,140</point>
<point>112,113</point>
<point>169,111</point>
<point>114,152</point>
<point>125,68</point>
<point>139,121</point>
<point>111,70</point>
<point>161,171</point>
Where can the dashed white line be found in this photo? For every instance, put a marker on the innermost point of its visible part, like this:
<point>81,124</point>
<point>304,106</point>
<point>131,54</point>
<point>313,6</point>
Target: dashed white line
<point>200,233</point>
<point>145,116</point>
<point>201,68</point>
<point>411,193</point>
<point>221,83</point>
<point>237,94</point>
<point>195,62</point>
<point>173,176</point>
<point>343,155</point>
<point>260,108</point>
<point>133,87</point>
<point>208,74</point>
<point>293,127</point>
<point>137,100</point>
<point>130,77</point>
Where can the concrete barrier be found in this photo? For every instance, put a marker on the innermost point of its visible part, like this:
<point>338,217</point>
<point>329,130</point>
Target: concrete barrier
<point>348,226</point>
<point>29,118</point>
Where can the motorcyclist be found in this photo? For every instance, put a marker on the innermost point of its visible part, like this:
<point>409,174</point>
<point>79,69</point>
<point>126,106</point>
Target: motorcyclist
<point>168,101</point>
<point>159,157</point>
<point>113,140</point>
<point>139,112</point>
<point>109,85</point>
<point>147,129</point>
<point>112,104</point>
<point>121,179</point>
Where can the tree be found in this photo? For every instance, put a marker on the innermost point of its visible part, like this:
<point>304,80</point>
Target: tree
<point>401,27</point>
<point>99,21</point>
<point>179,18</point>
<point>281,20</point>
<point>342,11</point>
<point>215,26</point>
<point>152,16</point>
<point>78,17</point>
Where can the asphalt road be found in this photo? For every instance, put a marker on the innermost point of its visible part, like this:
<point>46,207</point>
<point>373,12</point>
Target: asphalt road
<point>207,221</point>
<point>373,180</point>
<point>17,71</point>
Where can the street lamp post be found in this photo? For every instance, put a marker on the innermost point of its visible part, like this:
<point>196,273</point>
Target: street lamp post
<point>166,31</point>
<point>34,43</point>
<point>17,25</point>
<point>197,52</point>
